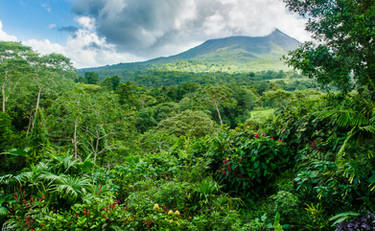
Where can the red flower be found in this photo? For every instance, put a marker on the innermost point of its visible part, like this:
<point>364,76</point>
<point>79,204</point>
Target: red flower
<point>257,135</point>
<point>263,134</point>
<point>77,215</point>
<point>280,140</point>
<point>273,138</point>
<point>225,161</point>
<point>228,167</point>
<point>313,144</point>
<point>224,173</point>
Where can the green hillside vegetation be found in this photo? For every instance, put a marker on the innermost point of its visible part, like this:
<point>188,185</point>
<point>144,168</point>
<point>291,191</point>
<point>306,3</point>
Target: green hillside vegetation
<point>264,150</point>
<point>288,80</point>
<point>233,54</point>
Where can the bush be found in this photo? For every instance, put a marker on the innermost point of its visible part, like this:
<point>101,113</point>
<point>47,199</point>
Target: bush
<point>246,162</point>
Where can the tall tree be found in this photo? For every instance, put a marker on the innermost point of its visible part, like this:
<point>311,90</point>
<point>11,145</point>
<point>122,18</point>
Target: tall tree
<point>218,96</point>
<point>87,118</point>
<point>13,66</point>
<point>91,77</point>
<point>111,83</point>
<point>344,56</point>
<point>48,75</point>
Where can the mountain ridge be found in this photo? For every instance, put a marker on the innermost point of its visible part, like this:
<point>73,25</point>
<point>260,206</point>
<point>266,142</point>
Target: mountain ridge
<point>243,53</point>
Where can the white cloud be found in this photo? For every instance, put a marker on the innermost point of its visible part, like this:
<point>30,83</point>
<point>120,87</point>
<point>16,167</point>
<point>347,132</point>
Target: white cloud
<point>45,46</point>
<point>85,48</point>
<point>254,18</point>
<point>113,31</point>
<point>86,22</point>
<point>4,36</point>
<point>147,27</point>
<point>214,24</point>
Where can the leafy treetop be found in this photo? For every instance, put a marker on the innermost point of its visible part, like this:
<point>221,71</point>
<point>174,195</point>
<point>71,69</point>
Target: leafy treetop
<point>345,32</point>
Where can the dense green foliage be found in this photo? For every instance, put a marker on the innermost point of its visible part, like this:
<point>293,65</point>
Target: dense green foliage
<point>157,78</point>
<point>188,151</point>
<point>345,56</point>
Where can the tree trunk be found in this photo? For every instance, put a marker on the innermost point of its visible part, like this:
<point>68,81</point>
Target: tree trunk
<point>36,108</point>
<point>96,148</point>
<point>3,94</point>
<point>370,72</point>
<point>75,138</point>
<point>218,113</point>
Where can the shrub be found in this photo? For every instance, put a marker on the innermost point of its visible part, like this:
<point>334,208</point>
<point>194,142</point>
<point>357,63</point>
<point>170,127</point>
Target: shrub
<point>247,162</point>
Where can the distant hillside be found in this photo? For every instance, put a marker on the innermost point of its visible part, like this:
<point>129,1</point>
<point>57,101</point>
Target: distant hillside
<point>232,54</point>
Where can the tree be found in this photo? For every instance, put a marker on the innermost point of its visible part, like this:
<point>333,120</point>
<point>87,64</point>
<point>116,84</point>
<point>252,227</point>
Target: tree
<point>6,132</point>
<point>345,31</point>
<point>165,110</point>
<point>188,123</point>
<point>242,103</point>
<point>218,96</point>
<point>111,83</point>
<point>13,65</point>
<point>91,77</point>
<point>276,98</point>
<point>129,94</point>
<point>88,118</point>
<point>47,74</point>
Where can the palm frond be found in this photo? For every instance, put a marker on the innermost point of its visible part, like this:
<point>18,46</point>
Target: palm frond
<point>49,178</point>
<point>344,117</point>
<point>69,162</point>
<point>26,176</point>
<point>8,179</point>
<point>341,152</point>
<point>368,128</point>
<point>3,211</point>
<point>72,187</point>
<point>41,167</point>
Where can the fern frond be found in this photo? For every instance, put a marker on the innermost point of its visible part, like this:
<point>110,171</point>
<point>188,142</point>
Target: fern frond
<point>69,163</point>
<point>344,117</point>
<point>368,128</point>
<point>341,152</point>
<point>3,211</point>
<point>72,187</point>
<point>8,179</point>
<point>50,177</point>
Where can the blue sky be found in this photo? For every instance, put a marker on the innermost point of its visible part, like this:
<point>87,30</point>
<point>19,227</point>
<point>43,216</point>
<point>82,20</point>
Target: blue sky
<point>101,32</point>
<point>36,18</point>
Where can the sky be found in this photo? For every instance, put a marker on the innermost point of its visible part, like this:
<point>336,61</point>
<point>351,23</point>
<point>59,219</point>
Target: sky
<point>104,32</point>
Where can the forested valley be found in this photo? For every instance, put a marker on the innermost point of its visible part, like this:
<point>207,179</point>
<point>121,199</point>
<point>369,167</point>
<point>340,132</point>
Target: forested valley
<point>172,150</point>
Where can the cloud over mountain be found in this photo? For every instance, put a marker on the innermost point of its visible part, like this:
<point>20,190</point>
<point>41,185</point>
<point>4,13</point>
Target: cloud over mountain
<point>114,31</point>
<point>149,28</point>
